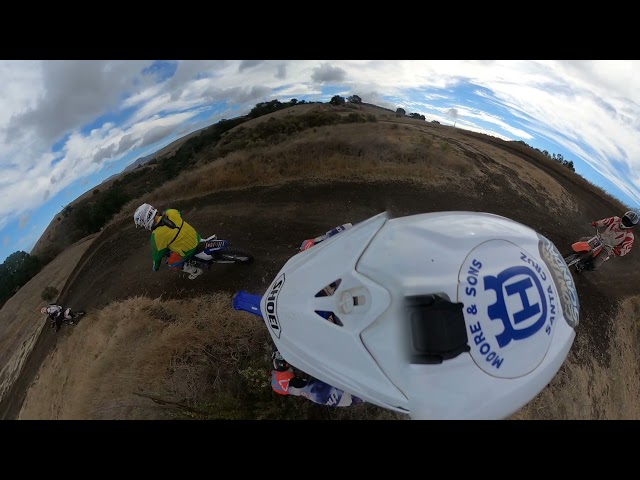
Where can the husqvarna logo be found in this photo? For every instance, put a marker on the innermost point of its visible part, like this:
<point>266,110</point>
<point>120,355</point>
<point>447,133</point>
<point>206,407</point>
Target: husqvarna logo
<point>510,307</point>
<point>521,282</point>
<point>272,306</point>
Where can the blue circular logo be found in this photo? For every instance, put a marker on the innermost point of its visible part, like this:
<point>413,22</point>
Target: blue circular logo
<point>510,308</point>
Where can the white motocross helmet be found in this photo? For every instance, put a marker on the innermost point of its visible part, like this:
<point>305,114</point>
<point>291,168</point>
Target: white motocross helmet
<point>629,220</point>
<point>145,216</point>
<point>453,315</point>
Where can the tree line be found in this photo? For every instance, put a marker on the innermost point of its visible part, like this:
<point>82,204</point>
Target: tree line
<point>558,157</point>
<point>15,271</point>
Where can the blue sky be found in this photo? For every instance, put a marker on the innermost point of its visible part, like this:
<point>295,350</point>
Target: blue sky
<point>65,126</point>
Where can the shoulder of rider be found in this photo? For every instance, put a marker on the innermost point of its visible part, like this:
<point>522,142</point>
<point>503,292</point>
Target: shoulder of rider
<point>166,220</point>
<point>605,222</point>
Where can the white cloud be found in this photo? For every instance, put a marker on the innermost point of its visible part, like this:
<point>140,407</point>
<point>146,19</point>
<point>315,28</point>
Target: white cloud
<point>73,93</point>
<point>326,73</point>
<point>245,64</point>
<point>297,90</point>
<point>281,72</point>
<point>22,85</point>
<point>82,155</point>
<point>27,242</point>
<point>142,96</point>
<point>463,114</point>
<point>435,96</point>
<point>589,108</point>
<point>24,220</point>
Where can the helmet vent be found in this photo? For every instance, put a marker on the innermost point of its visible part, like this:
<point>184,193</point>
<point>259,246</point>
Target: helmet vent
<point>329,289</point>
<point>330,316</point>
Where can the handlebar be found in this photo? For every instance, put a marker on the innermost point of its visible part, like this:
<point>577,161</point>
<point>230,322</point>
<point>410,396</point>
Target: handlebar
<point>607,247</point>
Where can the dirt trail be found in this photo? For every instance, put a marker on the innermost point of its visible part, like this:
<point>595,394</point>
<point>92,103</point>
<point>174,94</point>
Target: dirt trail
<point>271,222</point>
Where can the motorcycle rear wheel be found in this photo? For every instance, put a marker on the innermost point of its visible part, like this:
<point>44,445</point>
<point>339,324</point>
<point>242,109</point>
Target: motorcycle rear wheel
<point>234,256</point>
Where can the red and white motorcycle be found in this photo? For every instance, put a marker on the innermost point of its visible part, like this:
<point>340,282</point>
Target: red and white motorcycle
<point>585,251</point>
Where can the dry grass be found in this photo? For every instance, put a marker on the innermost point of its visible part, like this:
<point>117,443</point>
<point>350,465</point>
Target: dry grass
<point>558,167</point>
<point>154,359</point>
<point>534,179</point>
<point>165,350</point>
<point>593,392</point>
<point>198,358</point>
<point>385,150</point>
<point>355,152</point>
<point>20,318</point>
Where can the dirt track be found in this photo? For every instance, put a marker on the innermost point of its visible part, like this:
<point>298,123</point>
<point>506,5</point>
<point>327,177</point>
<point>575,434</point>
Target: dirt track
<point>270,222</point>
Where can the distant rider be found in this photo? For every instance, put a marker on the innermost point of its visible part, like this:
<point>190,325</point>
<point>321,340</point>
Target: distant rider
<point>169,233</point>
<point>618,233</point>
<point>56,314</point>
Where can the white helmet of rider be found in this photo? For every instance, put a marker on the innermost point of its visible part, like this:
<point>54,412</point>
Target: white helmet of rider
<point>145,216</point>
<point>629,220</point>
<point>43,310</point>
<point>452,315</point>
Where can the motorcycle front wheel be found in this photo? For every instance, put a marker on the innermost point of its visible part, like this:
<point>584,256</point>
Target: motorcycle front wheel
<point>572,259</point>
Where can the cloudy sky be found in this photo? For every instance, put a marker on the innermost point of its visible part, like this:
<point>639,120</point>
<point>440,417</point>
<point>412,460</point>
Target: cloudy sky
<point>65,126</point>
